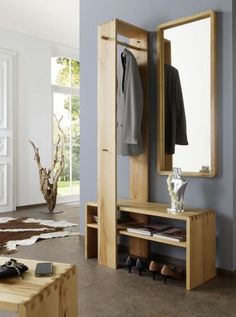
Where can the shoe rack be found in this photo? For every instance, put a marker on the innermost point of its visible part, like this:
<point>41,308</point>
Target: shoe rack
<point>200,244</point>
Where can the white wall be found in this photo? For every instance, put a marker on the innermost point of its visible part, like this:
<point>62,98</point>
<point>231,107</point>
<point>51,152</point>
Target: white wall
<point>33,108</point>
<point>54,20</point>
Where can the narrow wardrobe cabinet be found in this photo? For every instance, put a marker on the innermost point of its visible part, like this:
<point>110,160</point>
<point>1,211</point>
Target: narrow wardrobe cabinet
<point>110,36</point>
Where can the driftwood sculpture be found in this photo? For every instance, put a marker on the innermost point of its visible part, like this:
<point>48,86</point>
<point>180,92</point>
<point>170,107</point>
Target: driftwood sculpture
<point>48,187</point>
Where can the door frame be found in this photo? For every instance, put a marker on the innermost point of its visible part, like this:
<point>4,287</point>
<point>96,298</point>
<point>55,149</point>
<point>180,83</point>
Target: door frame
<point>11,124</point>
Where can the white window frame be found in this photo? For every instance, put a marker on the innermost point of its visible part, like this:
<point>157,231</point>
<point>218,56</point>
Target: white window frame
<point>71,92</point>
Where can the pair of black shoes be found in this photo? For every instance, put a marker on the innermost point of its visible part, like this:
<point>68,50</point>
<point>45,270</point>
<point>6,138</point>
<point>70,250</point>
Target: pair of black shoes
<point>139,263</point>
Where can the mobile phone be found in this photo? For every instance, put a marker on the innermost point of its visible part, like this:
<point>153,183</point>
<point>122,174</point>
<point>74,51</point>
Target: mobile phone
<point>43,269</point>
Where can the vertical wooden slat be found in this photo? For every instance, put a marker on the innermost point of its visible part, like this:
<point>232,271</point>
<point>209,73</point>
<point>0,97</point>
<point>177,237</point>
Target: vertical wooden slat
<point>139,165</point>
<point>68,294</point>
<point>107,245</point>
<point>201,250</point>
<point>160,102</point>
<point>214,160</point>
<point>107,188</point>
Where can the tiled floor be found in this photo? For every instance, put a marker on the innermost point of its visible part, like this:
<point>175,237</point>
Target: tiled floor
<point>104,292</point>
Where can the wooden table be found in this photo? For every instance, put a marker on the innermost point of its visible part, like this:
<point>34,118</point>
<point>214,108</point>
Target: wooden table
<point>54,296</point>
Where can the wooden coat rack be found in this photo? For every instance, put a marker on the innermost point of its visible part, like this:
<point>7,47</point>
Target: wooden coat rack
<point>107,155</point>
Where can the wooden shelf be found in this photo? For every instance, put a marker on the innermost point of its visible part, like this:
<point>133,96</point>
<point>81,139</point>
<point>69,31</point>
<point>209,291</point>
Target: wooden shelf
<point>155,209</point>
<point>158,210</point>
<point>95,226</point>
<point>92,203</point>
<point>92,225</point>
<point>155,239</point>
<point>199,244</point>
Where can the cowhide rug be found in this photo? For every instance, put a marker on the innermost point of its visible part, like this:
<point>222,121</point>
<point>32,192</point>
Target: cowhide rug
<point>26,231</point>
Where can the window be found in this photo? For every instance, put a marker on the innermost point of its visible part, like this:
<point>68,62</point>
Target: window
<point>66,103</point>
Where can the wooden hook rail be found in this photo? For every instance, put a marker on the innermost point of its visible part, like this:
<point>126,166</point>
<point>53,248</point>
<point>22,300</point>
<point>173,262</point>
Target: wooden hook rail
<point>125,44</point>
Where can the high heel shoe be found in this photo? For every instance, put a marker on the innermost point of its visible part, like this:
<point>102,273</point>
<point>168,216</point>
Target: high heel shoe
<point>172,272</point>
<point>155,268</point>
<point>141,265</point>
<point>130,261</point>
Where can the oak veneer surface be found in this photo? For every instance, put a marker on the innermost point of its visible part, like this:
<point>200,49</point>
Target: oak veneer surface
<point>200,241</point>
<point>40,296</point>
<point>107,174</point>
<point>201,249</point>
<point>156,209</point>
<point>139,165</point>
<point>107,160</point>
<point>154,239</point>
<point>159,210</point>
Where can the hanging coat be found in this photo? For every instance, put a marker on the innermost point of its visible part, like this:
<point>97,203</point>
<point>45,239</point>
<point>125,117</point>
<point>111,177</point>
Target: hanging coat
<point>129,106</point>
<point>175,121</point>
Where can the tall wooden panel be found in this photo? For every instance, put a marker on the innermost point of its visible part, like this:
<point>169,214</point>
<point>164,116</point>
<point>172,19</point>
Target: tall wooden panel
<point>201,249</point>
<point>137,42</point>
<point>107,254</point>
<point>139,165</point>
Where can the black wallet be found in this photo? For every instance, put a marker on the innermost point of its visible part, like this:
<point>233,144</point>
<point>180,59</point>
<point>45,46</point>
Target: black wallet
<point>12,268</point>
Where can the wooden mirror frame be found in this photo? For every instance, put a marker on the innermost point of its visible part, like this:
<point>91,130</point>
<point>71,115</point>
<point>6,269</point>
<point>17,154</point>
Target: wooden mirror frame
<point>164,162</point>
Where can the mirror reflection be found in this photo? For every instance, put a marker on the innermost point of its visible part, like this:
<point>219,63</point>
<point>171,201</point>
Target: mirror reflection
<point>187,102</point>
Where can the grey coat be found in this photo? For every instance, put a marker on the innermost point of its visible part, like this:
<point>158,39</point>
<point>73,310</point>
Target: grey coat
<point>129,106</point>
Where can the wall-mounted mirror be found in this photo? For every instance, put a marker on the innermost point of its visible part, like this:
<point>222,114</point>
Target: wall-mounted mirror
<point>187,95</point>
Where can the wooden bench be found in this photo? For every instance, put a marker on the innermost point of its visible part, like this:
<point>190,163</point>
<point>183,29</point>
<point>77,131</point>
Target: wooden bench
<point>32,296</point>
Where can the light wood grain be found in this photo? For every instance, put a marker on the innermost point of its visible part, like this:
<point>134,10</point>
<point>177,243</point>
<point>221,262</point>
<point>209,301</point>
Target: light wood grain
<point>130,31</point>
<point>139,165</point>
<point>200,242</point>
<point>160,102</point>
<point>137,39</point>
<point>154,239</point>
<point>138,207</point>
<point>68,295</point>
<point>36,297</point>
<point>92,225</point>
<point>214,119</point>
<point>156,209</point>
<point>107,58</point>
<point>201,250</point>
<point>91,210</point>
<point>188,19</point>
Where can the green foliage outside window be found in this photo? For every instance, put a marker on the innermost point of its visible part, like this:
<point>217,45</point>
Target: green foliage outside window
<point>69,72</point>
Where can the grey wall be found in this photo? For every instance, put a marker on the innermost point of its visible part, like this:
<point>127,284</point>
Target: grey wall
<point>214,193</point>
<point>234,120</point>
